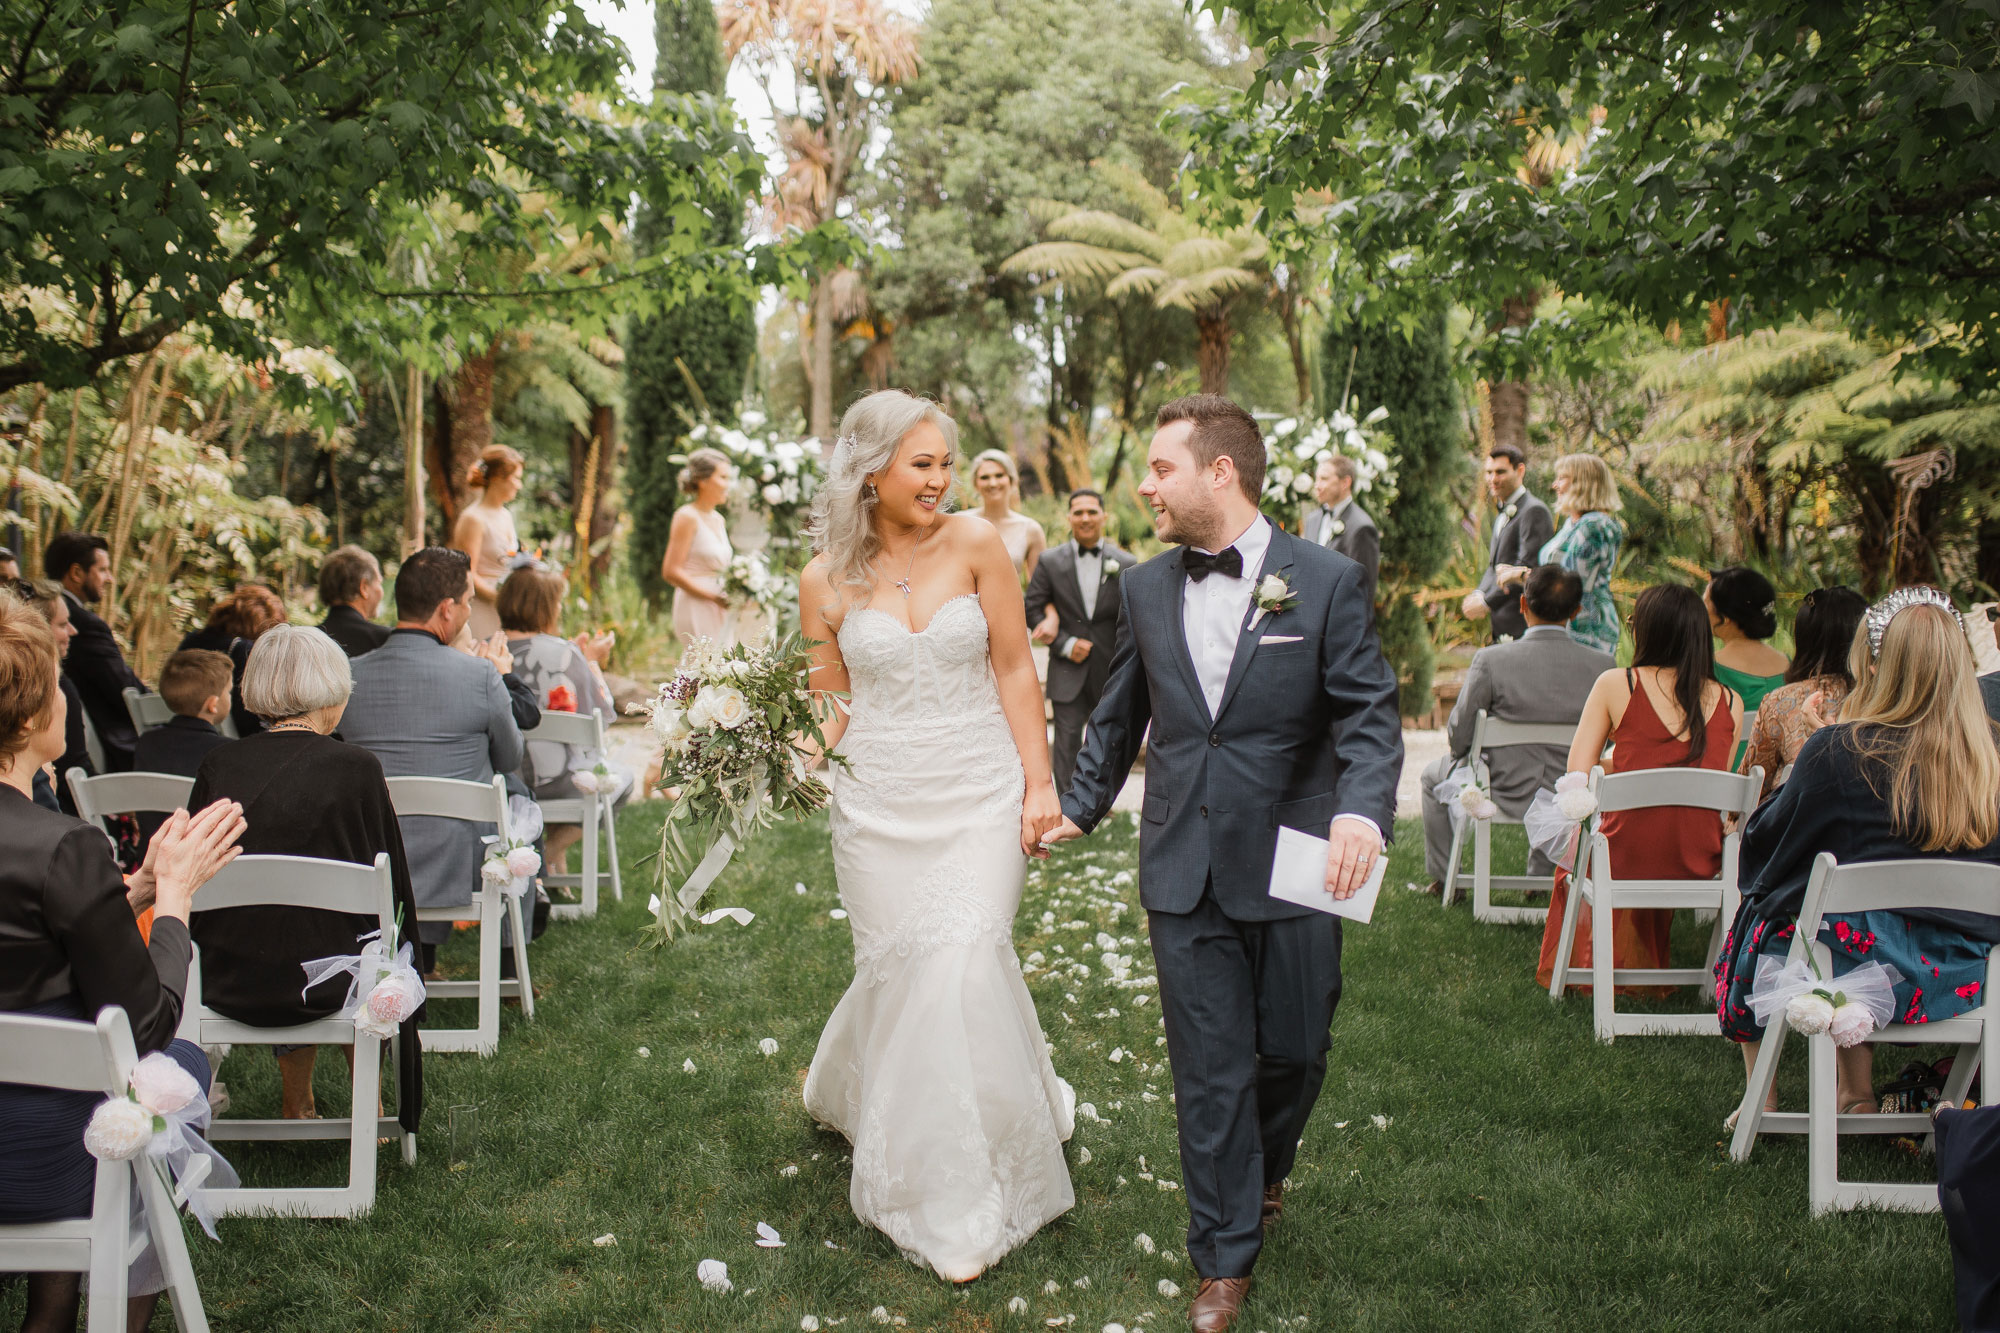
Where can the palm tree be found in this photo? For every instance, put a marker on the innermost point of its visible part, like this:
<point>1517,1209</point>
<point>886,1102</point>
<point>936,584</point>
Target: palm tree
<point>1168,254</point>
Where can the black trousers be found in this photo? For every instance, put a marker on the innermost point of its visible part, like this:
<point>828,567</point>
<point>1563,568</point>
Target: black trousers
<point>1070,718</point>
<point>1248,1007</point>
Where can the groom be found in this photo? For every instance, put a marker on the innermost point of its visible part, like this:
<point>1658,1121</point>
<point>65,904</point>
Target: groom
<point>1249,653</point>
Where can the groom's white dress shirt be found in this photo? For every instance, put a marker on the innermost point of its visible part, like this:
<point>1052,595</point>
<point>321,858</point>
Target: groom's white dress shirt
<point>1213,613</point>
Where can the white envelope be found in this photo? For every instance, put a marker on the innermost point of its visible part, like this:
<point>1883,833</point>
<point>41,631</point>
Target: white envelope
<point>1298,875</point>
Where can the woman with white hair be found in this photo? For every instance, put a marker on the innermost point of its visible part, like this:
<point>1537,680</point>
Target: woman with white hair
<point>933,1065</point>
<point>303,793</point>
<point>997,479</point>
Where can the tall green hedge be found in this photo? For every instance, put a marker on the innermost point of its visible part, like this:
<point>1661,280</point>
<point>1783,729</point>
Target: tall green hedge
<point>1411,375</point>
<point>715,337</point>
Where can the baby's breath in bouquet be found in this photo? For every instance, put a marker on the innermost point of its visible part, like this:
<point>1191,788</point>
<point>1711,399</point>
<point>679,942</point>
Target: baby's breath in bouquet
<point>735,722</point>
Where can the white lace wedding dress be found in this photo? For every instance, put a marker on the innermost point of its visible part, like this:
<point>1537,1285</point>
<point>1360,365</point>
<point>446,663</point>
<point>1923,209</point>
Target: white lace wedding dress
<point>933,1064</point>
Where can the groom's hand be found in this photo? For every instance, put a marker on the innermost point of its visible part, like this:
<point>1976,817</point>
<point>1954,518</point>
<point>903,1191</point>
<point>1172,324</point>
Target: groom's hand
<point>1352,848</point>
<point>1062,832</point>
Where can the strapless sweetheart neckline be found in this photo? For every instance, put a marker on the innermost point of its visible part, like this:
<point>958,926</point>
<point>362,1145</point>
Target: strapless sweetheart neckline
<point>929,625</point>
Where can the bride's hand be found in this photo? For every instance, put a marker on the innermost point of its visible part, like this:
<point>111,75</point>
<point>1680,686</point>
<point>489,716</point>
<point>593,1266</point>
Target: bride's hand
<point>1041,811</point>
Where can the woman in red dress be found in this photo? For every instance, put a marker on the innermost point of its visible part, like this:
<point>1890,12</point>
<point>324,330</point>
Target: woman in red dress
<point>1666,710</point>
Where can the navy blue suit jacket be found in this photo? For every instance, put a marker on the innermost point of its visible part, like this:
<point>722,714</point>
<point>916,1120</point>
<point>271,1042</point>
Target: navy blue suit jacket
<point>1306,730</point>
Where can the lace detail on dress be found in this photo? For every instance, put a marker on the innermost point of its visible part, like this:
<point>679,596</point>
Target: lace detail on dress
<point>947,911</point>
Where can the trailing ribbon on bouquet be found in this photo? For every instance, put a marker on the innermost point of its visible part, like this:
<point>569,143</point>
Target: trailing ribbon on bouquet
<point>385,991</point>
<point>1554,820</point>
<point>157,1116</point>
<point>1864,1000</point>
<point>674,912</point>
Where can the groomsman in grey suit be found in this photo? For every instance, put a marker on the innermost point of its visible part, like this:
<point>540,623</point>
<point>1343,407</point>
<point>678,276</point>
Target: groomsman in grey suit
<point>1074,607</point>
<point>1542,676</point>
<point>428,710</point>
<point>1340,524</point>
<point>1247,665</point>
<point>1523,527</point>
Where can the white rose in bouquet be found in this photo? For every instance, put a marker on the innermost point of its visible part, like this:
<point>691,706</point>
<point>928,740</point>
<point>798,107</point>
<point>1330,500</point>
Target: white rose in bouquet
<point>698,716</point>
<point>523,862</point>
<point>1851,1024</point>
<point>1573,797</point>
<point>394,998</point>
<point>1811,1013</point>
<point>119,1130</point>
<point>666,721</point>
<point>162,1086</point>
<point>495,872</point>
<point>773,493</point>
<point>725,705</point>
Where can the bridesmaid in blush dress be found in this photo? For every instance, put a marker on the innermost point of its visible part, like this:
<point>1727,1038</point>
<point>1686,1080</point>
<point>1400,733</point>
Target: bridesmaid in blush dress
<point>1664,711</point>
<point>485,532</point>
<point>698,550</point>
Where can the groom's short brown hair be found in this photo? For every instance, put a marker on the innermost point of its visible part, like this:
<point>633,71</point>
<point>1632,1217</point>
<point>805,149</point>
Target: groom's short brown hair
<point>1221,427</point>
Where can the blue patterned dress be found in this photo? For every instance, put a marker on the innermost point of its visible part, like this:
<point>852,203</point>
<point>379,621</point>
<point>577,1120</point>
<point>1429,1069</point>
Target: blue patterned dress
<point>1588,545</point>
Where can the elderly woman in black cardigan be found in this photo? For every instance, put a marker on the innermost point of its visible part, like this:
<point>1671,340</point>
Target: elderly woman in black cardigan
<point>70,946</point>
<point>303,793</point>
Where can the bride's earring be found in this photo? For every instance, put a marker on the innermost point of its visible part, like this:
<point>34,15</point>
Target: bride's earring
<point>868,489</point>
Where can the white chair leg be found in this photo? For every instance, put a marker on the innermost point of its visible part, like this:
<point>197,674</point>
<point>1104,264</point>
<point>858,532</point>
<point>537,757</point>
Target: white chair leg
<point>520,933</point>
<point>489,969</point>
<point>1450,894</point>
<point>611,846</point>
<point>1565,942</point>
<point>1603,994</point>
<point>362,1120</point>
<point>1482,868</point>
<point>109,1253</point>
<point>1823,1126</point>
<point>589,853</point>
<point>1757,1090</point>
<point>170,1247</point>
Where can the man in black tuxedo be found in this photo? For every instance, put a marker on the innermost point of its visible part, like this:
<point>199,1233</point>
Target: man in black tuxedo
<point>1523,526</point>
<point>1341,524</point>
<point>1074,607</point>
<point>350,588</point>
<point>1248,653</point>
<point>81,563</point>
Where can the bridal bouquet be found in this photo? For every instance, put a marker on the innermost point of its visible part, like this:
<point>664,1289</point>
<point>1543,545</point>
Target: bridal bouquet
<point>734,722</point>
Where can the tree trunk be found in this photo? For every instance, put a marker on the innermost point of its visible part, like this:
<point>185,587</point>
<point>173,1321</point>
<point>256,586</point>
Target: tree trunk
<point>592,462</point>
<point>413,459</point>
<point>1508,399</point>
<point>1212,353</point>
<point>471,402</point>
<point>821,374</point>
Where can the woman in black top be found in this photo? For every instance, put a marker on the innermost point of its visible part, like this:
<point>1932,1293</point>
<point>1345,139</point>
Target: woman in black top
<point>70,946</point>
<point>303,794</point>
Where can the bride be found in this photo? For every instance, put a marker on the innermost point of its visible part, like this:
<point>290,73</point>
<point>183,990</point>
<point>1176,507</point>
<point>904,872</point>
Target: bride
<point>933,1064</point>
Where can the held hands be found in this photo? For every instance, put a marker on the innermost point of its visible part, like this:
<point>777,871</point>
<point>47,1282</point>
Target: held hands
<point>1352,848</point>
<point>1040,812</point>
<point>1062,832</point>
<point>1045,633</point>
<point>186,853</point>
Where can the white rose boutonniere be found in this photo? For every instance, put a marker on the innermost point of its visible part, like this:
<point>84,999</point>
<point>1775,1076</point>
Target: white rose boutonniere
<point>1273,596</point>
<point>1507,514</point>
<point>1339,527</point>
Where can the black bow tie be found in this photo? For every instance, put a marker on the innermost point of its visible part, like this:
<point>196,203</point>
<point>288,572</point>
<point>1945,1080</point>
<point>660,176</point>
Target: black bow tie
<point>1228,561</point>
<point>1088,550</point>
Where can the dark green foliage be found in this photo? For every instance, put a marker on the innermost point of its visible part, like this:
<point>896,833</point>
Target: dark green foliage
<point>1410,374</point>
<point>713,336</point>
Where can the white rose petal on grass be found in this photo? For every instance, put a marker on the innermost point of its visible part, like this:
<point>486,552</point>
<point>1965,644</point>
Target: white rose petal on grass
<point>1083,1157</point>
<point>1117,1055</point>
<point>880,1314</point>
<point>1081,1284</point>
<point>800,888</point>
<point>1169,1288</point>
<point>1381,1121</point>
<point>714,1276</point>
<point>1018,1305</point>
<point>788,1170</point>
<point>838,914</point>
<point>687,1066</point>
<point>809,1324</point>
<point>1086,1111</point>
<point>1114,1328</point>
<point>1051,1287</point>
<point>119,1130</point>
<point>604,1240</point>
<point>768,1046</point>
<point>1144,1243</point>
<point>645,1054</point>
<point>768,1237</point>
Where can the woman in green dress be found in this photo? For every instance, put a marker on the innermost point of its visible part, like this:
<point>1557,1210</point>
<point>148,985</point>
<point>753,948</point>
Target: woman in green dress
<point>1743,612</point>
<point>1587,544</point>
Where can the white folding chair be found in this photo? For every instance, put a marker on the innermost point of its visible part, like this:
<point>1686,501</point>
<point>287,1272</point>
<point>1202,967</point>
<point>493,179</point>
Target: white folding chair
<point>1835,889</point>
<point>478,803</point>
<point>127,794</point>
<point>93,744</point>
<point>96,1057</point>
<point>1593,883</point>
<point>591,810</point>
<point>150,710</point>
<point>1490,733</point>
<point>329,886</point>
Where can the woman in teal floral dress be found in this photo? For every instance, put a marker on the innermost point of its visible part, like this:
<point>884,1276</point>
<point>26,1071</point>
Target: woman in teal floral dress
<point>1587,543</point>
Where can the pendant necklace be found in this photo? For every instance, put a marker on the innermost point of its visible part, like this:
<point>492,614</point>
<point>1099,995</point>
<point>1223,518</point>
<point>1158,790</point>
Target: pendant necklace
<point>904,582</point>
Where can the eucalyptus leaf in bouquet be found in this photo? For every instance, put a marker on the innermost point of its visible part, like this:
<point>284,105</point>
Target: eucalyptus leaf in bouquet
<point>739,725</point>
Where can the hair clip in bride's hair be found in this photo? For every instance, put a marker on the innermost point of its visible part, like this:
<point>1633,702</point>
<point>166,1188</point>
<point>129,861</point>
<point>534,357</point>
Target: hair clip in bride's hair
<point>1899,601</point>
<point>842,456</point>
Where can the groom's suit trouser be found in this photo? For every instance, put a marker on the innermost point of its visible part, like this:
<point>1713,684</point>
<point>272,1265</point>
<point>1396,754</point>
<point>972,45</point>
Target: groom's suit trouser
<point>1242,1103</point>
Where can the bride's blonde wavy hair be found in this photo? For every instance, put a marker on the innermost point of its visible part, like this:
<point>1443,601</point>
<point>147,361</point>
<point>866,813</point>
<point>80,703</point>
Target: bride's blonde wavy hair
<point>842,526</point>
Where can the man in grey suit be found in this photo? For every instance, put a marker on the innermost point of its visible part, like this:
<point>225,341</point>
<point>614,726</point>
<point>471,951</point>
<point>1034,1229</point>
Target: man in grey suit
<point>1340,524</point>
<point>425,709</point>
<point>1248,654</point>
<point>1542,676</point>
<point>1520,530</point>
<point>1073,606</point>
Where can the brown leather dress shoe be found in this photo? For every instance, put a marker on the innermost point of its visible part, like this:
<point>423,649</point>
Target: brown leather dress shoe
<point>1217,1303</point>
<point>1274,1204</point>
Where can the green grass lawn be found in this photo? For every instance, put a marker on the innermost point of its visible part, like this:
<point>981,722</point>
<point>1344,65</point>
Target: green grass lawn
<point>1521,1177</point>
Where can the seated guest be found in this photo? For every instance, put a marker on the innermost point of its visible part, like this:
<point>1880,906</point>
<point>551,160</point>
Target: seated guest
<point>1743,612</point>
<point>428,710</point>
<point>1666,710</point>
<point>350,588</point>
<point>1543,676</point>
<point>233,625</point>
<point>52,781</point>
<point>567,676</point>
<point>69,947</point>
<point>303,794</point>
<point>1910,770</point>
<point>1822,637</point>
<point>80,563</point>
<point>196,685</point>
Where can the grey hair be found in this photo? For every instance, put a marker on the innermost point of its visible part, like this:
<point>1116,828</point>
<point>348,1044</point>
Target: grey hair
<point>842,528</point>
<point>294,670</point>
